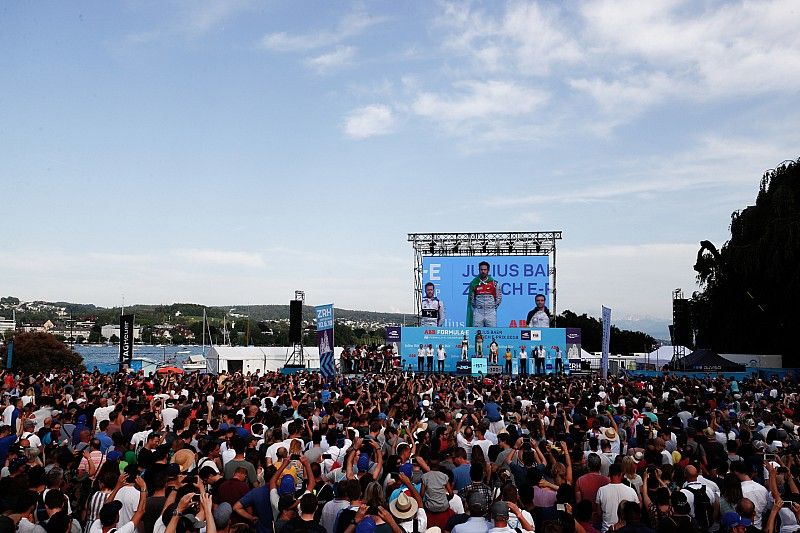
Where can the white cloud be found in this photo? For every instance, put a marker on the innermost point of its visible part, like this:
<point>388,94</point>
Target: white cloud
<point>204,16</point>
<point>193,19</point>
<point>222,257</point>
<point>625,57</point>
<point>479,104</point>
<point>349,26</point>
<point>527,38</point>
<point>710,51</point>
<point>342,56</point>
<point>369,121</point>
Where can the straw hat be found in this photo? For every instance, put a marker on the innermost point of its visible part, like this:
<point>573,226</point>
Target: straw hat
<point>184,459</point>
<point>610,433</point>
<point>403,507</point>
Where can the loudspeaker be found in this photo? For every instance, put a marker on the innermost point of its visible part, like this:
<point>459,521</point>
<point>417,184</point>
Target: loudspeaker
<point>295,321</point>
<point>682,323</point>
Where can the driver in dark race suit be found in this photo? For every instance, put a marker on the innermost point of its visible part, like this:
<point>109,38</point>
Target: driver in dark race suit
<point>432,308</point>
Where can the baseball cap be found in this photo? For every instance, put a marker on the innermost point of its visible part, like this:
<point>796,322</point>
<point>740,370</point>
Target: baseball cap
<point>732,518</point>
<point>222,515</point>
<point>114,455</point>
<point>287,485</point>
<point>500,509</point>
<point>477,504</point>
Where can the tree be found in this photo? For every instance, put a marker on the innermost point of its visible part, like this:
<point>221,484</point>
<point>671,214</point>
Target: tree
<point>622,341</point>
<point>41,352</point>
<point>94,334</point>
<point>747,302</point>
<point>114,339</point>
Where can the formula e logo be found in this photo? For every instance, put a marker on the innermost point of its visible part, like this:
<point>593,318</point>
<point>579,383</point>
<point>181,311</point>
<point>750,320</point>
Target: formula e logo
<point>530,335</point>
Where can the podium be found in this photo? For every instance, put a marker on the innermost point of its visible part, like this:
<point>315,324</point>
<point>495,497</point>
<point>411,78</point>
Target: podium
<point>495,369</point>
<point>479,366</point>
<point>464,367</point>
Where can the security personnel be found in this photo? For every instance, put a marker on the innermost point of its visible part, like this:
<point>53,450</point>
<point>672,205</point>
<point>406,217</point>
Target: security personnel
<point>432,308</point>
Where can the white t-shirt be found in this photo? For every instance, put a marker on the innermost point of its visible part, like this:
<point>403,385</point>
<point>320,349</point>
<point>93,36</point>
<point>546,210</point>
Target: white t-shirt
<point>513,521</point>
<point>168,415</point>
<point>33,439</point>
<point>128,527</point>
<point>609,498</point>
<point>7,413</point>
<point>759,495</point>
<point>129,496</point>
<point>442,354</point>
<point>466,444</point>
<point>102,413</point>
<point>422,522</point>
<point>227,455</point>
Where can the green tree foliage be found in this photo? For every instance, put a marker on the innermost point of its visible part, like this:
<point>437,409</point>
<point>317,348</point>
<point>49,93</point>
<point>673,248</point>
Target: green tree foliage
<point>622,341</point>
<point>750,287</point>
<point>41,352</point>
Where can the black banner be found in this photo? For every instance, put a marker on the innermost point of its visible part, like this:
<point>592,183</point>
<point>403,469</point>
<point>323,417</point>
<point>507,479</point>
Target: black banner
<point>125,340</point>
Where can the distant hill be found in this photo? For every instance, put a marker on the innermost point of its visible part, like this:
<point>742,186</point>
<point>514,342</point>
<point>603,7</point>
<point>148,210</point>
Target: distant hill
<point>181,312</point>
<point>278,312</point>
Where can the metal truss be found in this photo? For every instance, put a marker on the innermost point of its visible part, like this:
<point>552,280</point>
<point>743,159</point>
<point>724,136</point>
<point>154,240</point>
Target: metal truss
<point>471,244</point>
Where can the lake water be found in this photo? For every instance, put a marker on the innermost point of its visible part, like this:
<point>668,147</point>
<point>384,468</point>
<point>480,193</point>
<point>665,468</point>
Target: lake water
<point>106,358</point>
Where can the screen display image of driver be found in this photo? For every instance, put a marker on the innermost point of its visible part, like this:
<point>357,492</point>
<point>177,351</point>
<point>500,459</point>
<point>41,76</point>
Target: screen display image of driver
<point>498,296</point>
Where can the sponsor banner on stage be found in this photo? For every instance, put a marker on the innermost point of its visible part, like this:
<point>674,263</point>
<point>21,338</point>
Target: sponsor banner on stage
<point>495,345</point>
<point>519,278</point>
<point>324,315</point>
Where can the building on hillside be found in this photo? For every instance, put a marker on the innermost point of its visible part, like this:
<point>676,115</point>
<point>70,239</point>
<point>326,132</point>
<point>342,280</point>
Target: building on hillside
<point>7,324</point>
<point>110,330</point>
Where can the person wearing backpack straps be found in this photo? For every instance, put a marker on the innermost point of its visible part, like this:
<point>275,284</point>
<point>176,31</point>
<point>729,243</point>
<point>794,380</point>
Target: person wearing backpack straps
<point>108,520</point>
<point>702,498</point>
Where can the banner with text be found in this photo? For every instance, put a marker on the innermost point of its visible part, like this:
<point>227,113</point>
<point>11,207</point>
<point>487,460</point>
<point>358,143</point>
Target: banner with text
<point>493,345</point>
<point>324,315</point>
<point>125,339</point>
<point>519,278</point>
<point>606,346</point>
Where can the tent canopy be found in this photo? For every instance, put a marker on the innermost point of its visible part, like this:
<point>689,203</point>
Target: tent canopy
<point>706,360</point>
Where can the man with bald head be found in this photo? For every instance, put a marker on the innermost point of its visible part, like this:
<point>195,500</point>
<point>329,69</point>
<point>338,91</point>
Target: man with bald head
<point>755,493</point>
<point>695,483</point>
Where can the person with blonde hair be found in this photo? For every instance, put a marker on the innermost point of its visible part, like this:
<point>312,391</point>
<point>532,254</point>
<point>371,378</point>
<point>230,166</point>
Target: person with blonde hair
<point>629,475</point>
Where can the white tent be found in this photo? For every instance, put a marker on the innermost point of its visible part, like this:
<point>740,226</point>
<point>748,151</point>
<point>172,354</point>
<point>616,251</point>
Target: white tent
<point>262,358</point>
<point>661,356</point>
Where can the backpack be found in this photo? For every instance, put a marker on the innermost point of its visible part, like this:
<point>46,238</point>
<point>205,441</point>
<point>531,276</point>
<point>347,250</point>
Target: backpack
<point>703,510</point>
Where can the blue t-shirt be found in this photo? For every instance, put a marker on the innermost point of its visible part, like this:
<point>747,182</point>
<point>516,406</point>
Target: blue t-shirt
<point>105,441</point>
<point>5,445</point>
<point>258,499</point>
<point>493,412</point>
<point>461,477</point>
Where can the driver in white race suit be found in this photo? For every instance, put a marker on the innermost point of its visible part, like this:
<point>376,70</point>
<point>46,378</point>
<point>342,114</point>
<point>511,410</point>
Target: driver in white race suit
<point>432,308</point>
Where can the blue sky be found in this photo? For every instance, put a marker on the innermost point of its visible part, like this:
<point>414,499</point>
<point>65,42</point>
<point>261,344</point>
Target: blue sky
<point>232,152</point>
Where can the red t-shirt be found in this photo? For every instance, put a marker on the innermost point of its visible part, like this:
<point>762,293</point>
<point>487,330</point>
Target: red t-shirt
<point>589,484</point>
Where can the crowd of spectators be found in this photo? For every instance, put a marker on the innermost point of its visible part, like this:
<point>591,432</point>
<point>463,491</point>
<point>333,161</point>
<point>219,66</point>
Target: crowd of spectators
<point>396,452</point>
